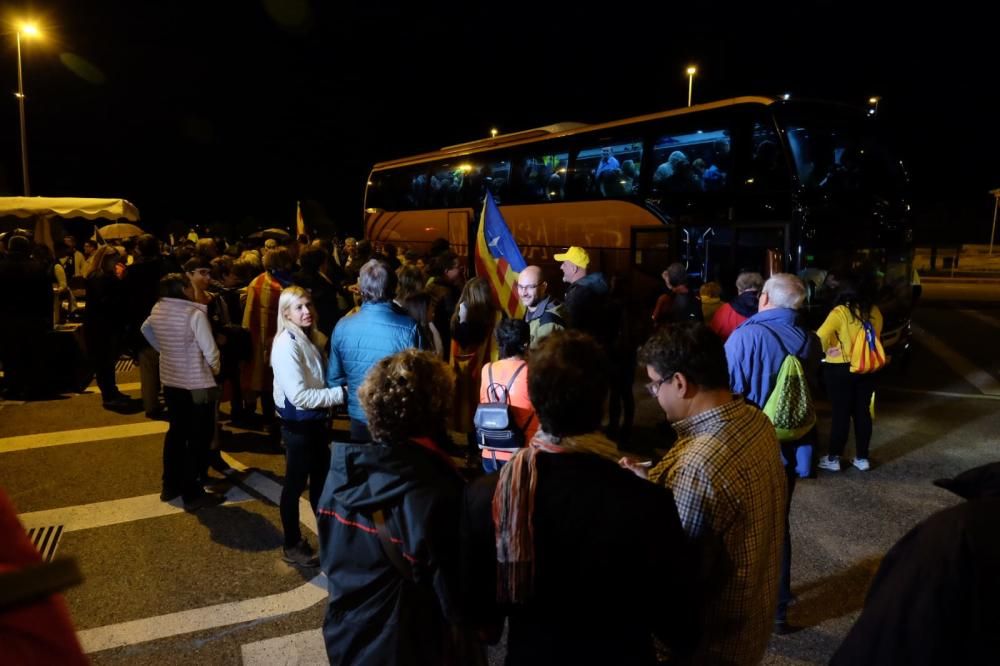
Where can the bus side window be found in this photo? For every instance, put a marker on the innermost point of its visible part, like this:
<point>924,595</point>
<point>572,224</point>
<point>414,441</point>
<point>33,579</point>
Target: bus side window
<point>540,178</point>
<point>693,162</point>
<point>607,170</point>
<point>448,185</point>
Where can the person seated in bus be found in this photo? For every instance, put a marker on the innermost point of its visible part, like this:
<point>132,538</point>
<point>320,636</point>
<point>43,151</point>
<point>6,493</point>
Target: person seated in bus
<point>607,162</point>
<point>612,183</point>
<point>676,175</point>
<point>630,174</point>
<point>554,189</point>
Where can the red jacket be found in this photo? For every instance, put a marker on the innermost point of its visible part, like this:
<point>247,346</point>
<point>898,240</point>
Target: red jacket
<point>725,321</point>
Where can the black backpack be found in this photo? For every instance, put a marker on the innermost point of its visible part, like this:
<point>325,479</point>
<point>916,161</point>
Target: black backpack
<point>494,422</point>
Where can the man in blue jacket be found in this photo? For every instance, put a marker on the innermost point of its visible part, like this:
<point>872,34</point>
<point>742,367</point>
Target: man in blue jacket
<point>754,353</point>
<point>378,330</point>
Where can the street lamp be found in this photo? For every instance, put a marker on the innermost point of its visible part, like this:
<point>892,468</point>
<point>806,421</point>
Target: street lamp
<point>30,31</point>
<point>691,72</point>
<point>873,103</point>
<point>493,133</point>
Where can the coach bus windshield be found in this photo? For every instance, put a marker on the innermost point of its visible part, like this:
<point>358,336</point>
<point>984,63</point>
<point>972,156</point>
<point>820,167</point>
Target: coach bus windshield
<point>837,153</point>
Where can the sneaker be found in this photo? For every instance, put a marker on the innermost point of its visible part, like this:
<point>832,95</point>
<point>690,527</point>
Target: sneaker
<point>301,554</point>
<point>829,463</point>
<point>862,464</point>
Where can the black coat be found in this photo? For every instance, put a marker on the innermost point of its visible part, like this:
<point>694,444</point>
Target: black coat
<point>375,616</point>
<point>935,597</point>
<point>611,568</point>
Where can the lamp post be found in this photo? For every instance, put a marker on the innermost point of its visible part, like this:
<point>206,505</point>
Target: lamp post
<point>691,72</point>
<point>996,205</point>
<point>873,103</point>
<point>28,30</point>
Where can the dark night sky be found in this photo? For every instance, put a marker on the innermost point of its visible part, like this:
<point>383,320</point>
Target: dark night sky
<point>232,110</point>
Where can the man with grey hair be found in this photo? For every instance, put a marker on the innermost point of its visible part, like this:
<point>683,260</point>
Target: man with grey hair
<point>377,330</point>
<point>754,353</point>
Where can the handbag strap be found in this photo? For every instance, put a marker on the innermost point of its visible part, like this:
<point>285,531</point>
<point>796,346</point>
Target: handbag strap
<point>391,548</point>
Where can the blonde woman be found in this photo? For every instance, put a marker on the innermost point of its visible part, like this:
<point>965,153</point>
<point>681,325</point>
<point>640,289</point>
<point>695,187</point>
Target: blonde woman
<point>303,403</point>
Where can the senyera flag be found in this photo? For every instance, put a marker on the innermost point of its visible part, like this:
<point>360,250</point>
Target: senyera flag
<point>498,259</point>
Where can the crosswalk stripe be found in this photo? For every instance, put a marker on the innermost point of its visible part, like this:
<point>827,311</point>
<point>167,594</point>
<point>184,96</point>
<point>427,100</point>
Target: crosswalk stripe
<point>81,436</point>
<point>981,379</point>
<point>200,619</point>
<point>114,512</point>
<point>304,647</point>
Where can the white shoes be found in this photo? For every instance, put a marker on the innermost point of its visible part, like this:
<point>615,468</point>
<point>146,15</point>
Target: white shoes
<point>862,464</point>
<point>829,463</point>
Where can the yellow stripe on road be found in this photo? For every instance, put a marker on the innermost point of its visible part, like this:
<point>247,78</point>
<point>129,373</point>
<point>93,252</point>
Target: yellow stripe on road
<point>84,435</point>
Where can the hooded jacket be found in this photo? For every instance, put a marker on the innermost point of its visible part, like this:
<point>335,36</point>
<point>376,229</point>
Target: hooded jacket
<point>732,314</point>
<point>587,302</point>
<point>375,616</point>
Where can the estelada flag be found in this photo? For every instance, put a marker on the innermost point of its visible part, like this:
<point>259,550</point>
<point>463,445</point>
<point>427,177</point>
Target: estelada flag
<point>498,259</point>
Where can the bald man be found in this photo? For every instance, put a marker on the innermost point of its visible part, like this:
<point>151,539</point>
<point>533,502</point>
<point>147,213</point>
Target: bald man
<point>543,313</point>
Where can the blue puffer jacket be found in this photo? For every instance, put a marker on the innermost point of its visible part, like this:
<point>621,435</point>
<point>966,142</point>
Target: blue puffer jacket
<point>361,340</point>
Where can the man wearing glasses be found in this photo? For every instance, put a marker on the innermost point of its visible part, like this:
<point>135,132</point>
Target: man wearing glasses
<point>543,313</point>
<point>727,480</point>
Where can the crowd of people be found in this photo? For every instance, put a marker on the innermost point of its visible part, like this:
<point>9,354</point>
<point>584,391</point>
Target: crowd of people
<point>588,553</point>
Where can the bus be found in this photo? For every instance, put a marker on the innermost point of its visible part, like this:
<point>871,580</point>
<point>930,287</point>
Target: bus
<point>749,183</point>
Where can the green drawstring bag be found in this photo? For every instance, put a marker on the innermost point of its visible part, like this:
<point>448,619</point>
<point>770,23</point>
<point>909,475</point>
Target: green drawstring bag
<point>790,405</point>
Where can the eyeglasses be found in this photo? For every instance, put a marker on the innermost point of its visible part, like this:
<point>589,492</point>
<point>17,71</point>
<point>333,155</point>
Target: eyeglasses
<point>526,287</point>
<point>654,386</point>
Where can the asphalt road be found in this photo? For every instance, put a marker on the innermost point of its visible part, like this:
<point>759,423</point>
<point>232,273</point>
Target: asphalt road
<point>166,587</point>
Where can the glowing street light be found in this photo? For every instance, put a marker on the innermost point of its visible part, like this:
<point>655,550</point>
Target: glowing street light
<point>493,133</point>
<point>28,31</point>
<point>873,103</point>
<point>691,71</point>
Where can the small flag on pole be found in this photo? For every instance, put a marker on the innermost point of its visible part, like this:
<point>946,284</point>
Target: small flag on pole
<point>300,223</point>
<point>498,259</point>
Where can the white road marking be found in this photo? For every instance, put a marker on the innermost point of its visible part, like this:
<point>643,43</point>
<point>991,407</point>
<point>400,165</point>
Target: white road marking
<point>978,314</point>
<point>219,615</point>
<point>301,649</point>
<point>942,394</point>
<point>82,436</point>
<point>200,619</point>
<point>982,380</point>
<point>114,512</point>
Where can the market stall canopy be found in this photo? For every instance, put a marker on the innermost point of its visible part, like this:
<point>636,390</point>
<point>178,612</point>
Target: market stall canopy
<point>69,207</point>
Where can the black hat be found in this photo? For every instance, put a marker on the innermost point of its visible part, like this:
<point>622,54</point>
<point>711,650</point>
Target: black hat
<point>976,483</point>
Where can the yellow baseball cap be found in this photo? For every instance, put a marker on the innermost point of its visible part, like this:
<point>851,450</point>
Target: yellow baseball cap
<point>574,255</point>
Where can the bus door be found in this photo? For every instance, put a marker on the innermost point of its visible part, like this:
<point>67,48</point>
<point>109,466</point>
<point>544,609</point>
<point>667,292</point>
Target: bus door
<point>652,250</point>
<point>763,247</point>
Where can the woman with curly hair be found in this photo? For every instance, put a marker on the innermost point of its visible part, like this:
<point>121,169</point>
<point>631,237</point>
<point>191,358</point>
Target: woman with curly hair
<point>387,523</point>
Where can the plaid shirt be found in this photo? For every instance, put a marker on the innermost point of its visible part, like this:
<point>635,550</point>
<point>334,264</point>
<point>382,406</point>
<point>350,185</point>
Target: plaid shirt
<point>726,476</point>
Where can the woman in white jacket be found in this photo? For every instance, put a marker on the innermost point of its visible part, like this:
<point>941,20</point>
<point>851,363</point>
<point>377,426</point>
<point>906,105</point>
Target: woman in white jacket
<point>303,404</point>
